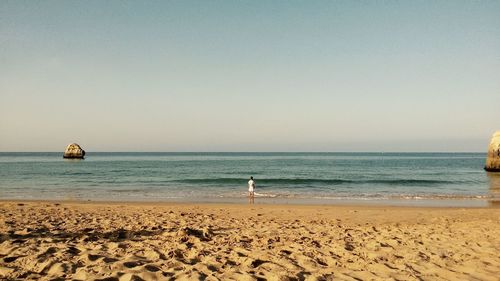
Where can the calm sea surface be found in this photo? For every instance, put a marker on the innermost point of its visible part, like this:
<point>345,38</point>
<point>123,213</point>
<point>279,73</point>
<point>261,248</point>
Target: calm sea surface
<point>280,177</point>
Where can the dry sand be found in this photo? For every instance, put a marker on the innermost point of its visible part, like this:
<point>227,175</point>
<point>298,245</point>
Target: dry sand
<point>135,241</point>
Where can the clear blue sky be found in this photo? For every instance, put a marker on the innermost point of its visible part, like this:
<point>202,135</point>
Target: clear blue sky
<point>249,75</point>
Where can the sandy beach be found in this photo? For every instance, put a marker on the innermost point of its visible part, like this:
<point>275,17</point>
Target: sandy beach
<point>167,241</point>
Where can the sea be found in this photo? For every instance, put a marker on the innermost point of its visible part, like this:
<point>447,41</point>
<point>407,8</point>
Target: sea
<point>435,179</point>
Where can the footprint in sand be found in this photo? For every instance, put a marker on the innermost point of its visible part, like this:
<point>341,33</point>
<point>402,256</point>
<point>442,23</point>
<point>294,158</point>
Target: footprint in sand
<point>94,257</point>
<point>109,260</point>
<point>10,259</point>
<point>47,253</point>
<point>152,268</point>
<point>131,264</point>
<point>258,262</point>
<point>73,251</point>
<point>108,279</point>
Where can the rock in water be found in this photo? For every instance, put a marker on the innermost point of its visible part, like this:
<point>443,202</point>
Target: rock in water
<point>74,151</point>
<point>493,159</point>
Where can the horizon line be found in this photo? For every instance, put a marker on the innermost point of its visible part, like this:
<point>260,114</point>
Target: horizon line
<point>250,151</point>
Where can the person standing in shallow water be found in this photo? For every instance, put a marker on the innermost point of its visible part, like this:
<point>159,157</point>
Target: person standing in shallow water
<point>251,190</point>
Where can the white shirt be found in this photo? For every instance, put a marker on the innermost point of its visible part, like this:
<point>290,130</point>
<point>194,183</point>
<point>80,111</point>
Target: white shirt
<point>251,185</point>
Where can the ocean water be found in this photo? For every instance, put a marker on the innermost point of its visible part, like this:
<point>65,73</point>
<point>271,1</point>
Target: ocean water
<point>222,177</point>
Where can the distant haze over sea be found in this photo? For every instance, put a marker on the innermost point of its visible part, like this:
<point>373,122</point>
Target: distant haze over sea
<point>414,145</point>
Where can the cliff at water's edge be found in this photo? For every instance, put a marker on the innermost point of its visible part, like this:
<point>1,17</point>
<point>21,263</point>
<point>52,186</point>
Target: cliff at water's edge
<point>493,158</point>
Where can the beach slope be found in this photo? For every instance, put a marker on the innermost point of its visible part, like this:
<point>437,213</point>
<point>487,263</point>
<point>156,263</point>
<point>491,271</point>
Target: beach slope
<point>134,241</point>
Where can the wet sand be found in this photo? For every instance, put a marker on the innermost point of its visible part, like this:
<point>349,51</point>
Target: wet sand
<point>147,241</point>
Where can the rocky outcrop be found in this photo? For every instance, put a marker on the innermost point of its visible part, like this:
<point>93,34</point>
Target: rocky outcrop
<point>493,158</point>
<point>74,151</point>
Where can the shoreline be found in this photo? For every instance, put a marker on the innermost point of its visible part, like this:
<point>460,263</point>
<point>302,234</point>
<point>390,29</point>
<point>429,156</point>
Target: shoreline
<point>402,203</point>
